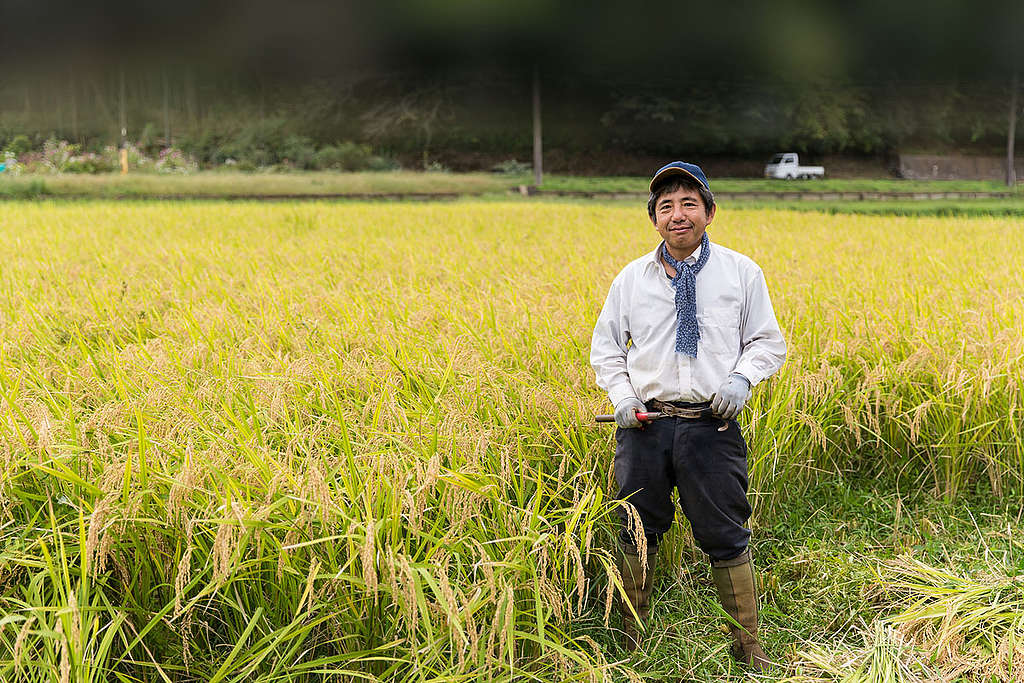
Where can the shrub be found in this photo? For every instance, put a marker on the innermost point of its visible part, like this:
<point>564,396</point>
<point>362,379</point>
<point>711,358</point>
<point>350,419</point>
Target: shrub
<point>57,154</point>
<point>344,156</point>
<point>172,160</point>
<point>264,143</point>
<point>137,159</point>
<point>137,156</point>
<point>512,167</point>
<point>381,163</point>
<point>150,140</point>
<point>20,144</point>
<point>207,148</point>
<point>11,164</point>
<point>350,156</point>
<point>298,150</point>
<point>89,162</point>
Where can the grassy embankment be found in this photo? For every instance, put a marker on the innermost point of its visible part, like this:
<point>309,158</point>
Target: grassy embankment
<point>221,183</point>
<point>1013,207</point>
<point>212,184</point>
<point>638,184</point>
<point>262,442</point>
<point>895,206</point>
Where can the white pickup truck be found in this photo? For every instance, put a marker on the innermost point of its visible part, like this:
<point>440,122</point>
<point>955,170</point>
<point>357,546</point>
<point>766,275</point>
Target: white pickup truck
<point>787,165</point>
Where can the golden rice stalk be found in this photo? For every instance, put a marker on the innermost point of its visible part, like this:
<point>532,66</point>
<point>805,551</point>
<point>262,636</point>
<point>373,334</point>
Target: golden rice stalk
<point>184,573</point>
<point>581,580</point>
<point>318,490</point>
<point>65,652</point>
<point>368,558</point>
<point>225,542</point>
<point>614,578</point>
<point>94,548</point>
<point>76,617</point>
<point>183,485</point>
<point>635,529</point>
<point>307,597</point>
<point>920,413</point>
<point>186,639</point>
<point>19,641</point>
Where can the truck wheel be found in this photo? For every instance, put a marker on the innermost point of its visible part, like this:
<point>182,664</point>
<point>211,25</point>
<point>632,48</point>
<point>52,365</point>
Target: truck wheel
<point>789,176</point>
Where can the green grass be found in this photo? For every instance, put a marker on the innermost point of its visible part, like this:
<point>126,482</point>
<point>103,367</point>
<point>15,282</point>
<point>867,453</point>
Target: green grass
<point>639,185</point>
<point>978,208</point>
<point>832,571</point>
<point>925,207</point>
<point>209,184</point>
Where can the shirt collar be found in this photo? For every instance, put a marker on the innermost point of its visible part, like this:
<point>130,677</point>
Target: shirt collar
<point>655,257</point>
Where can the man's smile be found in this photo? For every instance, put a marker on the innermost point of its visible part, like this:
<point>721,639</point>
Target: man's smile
<point>680,218</point>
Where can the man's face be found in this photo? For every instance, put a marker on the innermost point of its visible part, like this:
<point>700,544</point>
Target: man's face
<point>680,219</point>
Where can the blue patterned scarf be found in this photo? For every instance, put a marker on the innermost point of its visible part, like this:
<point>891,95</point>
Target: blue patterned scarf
<point>685,284</point>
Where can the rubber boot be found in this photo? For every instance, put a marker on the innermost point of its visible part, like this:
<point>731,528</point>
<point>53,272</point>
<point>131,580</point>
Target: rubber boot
<point>638,586</point>
<point>737,590</point>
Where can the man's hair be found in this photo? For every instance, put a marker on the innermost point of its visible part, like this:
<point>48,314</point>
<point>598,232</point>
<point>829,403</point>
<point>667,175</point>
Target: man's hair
<point>680,182</point>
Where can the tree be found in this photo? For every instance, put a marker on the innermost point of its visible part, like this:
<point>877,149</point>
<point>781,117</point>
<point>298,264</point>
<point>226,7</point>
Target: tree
<point>538,154</point>
<point>1011,172</point>
<point>421,109</point>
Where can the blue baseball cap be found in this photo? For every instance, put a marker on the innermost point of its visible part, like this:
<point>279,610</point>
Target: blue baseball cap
<point>680,168</point>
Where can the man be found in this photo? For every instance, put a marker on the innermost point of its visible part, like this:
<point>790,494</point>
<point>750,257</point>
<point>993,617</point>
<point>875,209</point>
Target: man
<point>686,331</point>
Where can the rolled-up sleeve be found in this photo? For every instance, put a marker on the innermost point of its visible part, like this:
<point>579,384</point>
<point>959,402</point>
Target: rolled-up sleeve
<point>763,348</point>
<point>609,345</point>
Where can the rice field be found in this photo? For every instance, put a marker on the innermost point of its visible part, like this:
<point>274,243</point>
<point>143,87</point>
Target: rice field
<point>355,441</point>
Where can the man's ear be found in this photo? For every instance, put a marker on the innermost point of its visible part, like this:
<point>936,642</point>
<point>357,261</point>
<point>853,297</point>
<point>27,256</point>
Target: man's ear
<point>711,213</point>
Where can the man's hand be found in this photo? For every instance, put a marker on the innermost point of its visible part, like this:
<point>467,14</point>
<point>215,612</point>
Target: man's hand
<point>730,398</point>
<point>626,410</point>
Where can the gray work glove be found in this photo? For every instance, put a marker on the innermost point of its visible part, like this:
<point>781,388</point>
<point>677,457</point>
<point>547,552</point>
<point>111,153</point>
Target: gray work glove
<point>625,412</point>
<point>730,398</point>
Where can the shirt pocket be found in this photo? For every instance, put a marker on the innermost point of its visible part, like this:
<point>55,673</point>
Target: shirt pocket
<point>720,331</point>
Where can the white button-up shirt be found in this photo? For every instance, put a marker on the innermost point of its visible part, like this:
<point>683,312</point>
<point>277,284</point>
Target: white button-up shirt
<point>633,350</point>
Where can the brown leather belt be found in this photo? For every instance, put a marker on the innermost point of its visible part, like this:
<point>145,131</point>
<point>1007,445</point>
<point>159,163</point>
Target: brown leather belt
<point>695,411</point>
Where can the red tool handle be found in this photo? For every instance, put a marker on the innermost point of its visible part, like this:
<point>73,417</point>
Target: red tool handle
<point>643,417</point>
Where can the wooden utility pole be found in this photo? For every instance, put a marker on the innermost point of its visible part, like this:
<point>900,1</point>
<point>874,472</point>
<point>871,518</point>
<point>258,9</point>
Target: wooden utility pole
<point>74,105</point>
<point>124,129</point>
<point>60,111</point>
<point>1011,172</point>
<point>167,112</point>
<point>124,114</point>
<point>191,109</point>
<point>538,155</point>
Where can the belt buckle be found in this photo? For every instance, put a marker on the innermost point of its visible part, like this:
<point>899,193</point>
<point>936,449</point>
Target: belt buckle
<point>688,413</point>
<point>678,411</point>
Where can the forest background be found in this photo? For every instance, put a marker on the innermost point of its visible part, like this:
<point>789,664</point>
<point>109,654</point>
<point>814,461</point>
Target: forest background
<point>447,85</point>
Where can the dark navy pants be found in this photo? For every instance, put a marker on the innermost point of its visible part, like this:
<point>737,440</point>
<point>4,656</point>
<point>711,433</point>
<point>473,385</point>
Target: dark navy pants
<point>707,467</point>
